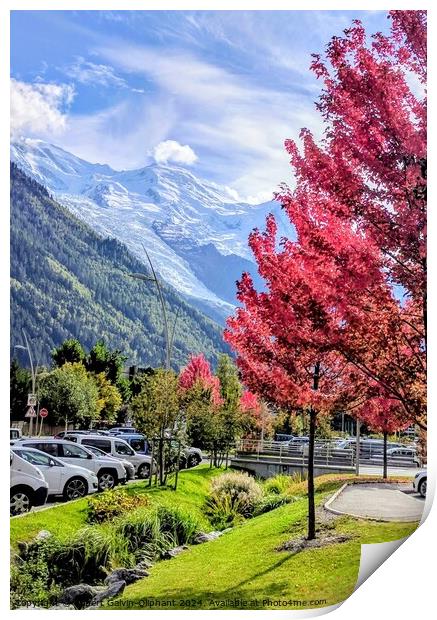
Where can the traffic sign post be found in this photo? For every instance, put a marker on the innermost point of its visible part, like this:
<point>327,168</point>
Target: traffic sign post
<point>43,413</point>
<point>30,413</point>
<point>31,400</point>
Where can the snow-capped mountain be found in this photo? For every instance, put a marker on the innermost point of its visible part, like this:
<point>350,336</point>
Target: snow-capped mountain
<point>194,231</point>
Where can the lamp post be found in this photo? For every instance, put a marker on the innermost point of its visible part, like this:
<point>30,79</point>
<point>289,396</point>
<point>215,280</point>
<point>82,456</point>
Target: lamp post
<point>169,338</point>
<point>33,371</point>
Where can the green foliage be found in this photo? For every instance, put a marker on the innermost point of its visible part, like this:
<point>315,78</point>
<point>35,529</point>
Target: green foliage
<point>110,399</point>
<point>110,504</point>
<point>67,282</point>
<point>271,502</point>
<point>20,386</point>
<point>69,351</point>
<point>230,386</point>
<point>31,582</point>
<point>277,484</point>
<point>101,360</point>
<point>69,393</point>
<point>151,532</point>
<point>156,407</point>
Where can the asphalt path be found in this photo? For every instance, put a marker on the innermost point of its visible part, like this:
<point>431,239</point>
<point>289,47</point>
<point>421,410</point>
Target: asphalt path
<point>380,501</point>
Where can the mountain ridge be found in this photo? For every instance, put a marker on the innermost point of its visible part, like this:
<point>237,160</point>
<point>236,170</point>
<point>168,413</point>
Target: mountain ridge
<point>68,281</point>
<point>194,230</point>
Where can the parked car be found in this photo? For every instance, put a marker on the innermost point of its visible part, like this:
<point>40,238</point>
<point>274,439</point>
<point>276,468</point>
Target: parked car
<point>130,469</point>
<point>14,434</point>
<point>137,442</point>
<point>420,482</point>
<point>62,434</point>
<point>109,472</point>
<point>118,448</point>
<point>70,481</point>
<point>117,430</point>
<point>28,486</point>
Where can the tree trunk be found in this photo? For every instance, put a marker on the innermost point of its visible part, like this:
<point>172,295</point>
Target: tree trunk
<point>384,467</point>
<point>311,503</point>
<point>161,461</point>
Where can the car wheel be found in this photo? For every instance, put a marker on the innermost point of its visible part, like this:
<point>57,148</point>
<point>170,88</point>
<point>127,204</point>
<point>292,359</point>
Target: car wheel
<point>106,481</point>
<point>143,471</point>
<point>21,502</point>
<point>75,488</point>
<point>193,460</point>
<point>422,488</point>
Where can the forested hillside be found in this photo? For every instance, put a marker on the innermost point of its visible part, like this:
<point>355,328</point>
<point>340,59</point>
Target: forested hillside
<point>67,281</point>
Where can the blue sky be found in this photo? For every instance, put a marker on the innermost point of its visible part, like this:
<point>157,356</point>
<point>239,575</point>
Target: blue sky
<point>217,91</point>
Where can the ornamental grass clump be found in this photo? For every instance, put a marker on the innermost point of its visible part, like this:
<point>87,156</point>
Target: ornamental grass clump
<point>233,497</point>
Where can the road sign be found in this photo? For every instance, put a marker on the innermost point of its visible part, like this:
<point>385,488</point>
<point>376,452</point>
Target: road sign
<point>30,413</point>
<point>43,413</point>
<point>31,400</point>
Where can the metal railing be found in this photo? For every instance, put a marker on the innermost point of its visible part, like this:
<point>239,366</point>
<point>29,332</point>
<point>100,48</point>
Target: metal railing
<point>327,452</point>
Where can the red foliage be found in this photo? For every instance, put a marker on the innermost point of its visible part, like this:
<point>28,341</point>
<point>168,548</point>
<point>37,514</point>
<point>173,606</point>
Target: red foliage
<point>198,372</point>
<point>384,415</point>
<point>249,403</point>
<point>359,212</point>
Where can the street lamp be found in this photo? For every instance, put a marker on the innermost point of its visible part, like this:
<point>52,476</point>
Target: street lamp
<point>169,338</point>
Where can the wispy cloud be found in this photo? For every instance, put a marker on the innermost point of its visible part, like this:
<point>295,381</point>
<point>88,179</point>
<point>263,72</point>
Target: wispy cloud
<point>86,72</point>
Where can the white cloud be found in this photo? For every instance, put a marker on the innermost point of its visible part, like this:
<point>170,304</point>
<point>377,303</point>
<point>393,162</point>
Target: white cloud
<point>86,72</point>
<point>170,150</point>
<point>39,109</point>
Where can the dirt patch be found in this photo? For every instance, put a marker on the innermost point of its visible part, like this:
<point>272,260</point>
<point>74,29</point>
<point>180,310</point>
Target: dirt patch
<point>325,540</point>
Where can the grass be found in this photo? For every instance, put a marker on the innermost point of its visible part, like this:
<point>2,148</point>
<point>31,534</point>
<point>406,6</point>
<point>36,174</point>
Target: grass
<point>66,519</point>
<point>244,566</point>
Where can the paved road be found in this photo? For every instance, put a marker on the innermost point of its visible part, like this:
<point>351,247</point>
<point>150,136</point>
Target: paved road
<point>409,472</point>
<point>386,502</point>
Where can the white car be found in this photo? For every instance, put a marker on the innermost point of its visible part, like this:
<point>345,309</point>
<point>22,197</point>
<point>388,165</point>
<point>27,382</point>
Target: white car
<point>108,471</point>
<point>130,469</point>
<point>70,481</point>
<point>116,447</point>
<point>420,482</point>
<point>27,484</point>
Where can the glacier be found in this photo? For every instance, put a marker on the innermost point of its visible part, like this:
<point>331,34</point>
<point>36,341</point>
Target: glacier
<point>193,229</point>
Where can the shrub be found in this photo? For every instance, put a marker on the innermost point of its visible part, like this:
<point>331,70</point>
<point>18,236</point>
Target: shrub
<point>270,502</point>
<point>31,583</point>
<point>224,512</point>
<point>233,496</point>
<point>110,504</point>
<point>277,484</point>
<point>239,487</point>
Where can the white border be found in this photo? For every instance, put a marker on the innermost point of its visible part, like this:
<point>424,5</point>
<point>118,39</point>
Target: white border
<point>403,586</point>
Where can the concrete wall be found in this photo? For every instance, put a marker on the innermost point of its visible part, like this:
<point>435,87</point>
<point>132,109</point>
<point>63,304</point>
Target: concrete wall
<point>266,468</point>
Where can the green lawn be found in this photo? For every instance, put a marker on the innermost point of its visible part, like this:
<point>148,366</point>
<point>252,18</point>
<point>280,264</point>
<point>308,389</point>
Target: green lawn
<point>242,569</point>
<point>244,565</point>
<point>66,519</point>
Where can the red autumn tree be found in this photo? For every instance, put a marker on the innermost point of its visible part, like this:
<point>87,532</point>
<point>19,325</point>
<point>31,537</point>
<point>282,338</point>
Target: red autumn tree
<point>198,371</point>
<point>329,313</point>
<point>280,339</point>
<point>367,178</point>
